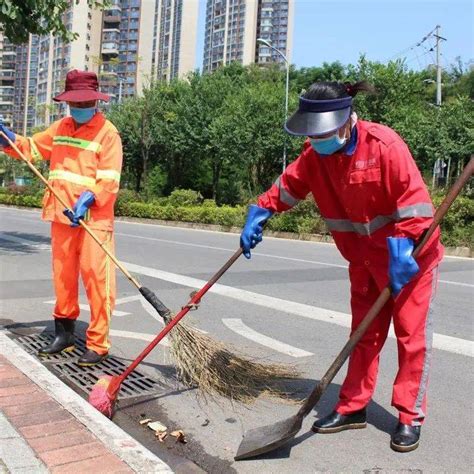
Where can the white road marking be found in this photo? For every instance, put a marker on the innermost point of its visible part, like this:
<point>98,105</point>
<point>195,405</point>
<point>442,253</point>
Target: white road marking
<point>141,336</point>
<point>211,247</point>
<point>13,215</point>
<point>243,330</point>
<point>441,341</point>
<point>86,307</point>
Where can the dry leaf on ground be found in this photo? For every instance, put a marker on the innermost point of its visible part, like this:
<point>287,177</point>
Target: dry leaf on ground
<point>179,435</point>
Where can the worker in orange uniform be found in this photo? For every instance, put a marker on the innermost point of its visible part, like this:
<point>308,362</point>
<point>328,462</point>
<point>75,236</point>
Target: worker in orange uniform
<point>373,199</point>
<point>85,155</point>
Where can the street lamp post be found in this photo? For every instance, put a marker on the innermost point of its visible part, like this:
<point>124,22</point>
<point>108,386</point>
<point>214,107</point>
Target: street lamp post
<point>266,43</point>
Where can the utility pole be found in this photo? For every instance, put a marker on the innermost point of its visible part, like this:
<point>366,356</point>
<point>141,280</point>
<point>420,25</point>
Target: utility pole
<point>438,65</point>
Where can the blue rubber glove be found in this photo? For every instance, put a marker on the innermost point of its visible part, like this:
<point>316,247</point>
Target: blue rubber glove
<point>7,132</point>
<point>252,233</point>
<point>85,201</point>
<point>402,266</point>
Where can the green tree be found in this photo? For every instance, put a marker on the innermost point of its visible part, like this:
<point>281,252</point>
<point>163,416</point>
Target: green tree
<point>19,18</point>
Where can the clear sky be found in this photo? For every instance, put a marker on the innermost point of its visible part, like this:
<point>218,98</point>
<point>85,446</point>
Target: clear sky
<point>339,30</point>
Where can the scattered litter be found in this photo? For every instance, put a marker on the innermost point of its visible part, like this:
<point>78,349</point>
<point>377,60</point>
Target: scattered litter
<point>206,422</point>
<point>157,426</point>
<point>161,435</point>
<point>145,421</point>
<point>179,435</point>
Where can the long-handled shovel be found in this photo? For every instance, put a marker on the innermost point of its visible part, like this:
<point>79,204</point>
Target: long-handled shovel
<point>268,438</point>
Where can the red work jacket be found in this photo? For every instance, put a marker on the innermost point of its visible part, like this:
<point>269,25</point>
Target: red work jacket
<point>365,197</point>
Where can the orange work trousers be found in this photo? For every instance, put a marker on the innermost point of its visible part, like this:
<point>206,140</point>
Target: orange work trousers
<point>74,252</point>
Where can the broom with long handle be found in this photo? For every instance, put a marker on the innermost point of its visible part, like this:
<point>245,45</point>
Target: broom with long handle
<point>200,360</point>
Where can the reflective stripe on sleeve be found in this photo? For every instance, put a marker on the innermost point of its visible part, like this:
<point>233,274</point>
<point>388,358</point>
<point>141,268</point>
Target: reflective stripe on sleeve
<point>77,143</point>
<point>35,154</point>
<point>345,225</point>
<point>108,174</point>
<point>72,178</point>
<point>284,195</point>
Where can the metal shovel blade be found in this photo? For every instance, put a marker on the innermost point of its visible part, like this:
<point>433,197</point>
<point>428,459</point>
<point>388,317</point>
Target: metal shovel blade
<point>268,438</point>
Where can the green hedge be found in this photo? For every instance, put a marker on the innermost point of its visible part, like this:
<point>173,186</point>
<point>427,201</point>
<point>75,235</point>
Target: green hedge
<point>457,226</point>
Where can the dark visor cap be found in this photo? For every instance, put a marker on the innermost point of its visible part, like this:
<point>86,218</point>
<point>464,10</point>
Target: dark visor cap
<point>318,117</point>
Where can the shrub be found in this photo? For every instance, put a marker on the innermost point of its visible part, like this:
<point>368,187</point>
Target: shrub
<point>185,197</point>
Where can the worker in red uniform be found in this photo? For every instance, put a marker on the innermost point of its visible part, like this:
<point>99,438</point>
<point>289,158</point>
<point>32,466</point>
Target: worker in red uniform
<point>85,155</point>
<point>372,197</point>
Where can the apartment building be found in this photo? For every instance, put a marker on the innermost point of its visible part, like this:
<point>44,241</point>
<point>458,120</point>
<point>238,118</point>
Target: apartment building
<point>7,79</point>
<point>233,26</point>
<point>128,44</point>
<point>174,38</point>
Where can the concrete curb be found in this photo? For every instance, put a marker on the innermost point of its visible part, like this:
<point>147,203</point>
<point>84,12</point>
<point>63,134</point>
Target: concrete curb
<point>464,252</point>
<point>130,451</point>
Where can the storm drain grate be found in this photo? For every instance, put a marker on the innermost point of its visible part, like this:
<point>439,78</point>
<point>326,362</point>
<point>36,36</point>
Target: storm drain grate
<point>84,378</point>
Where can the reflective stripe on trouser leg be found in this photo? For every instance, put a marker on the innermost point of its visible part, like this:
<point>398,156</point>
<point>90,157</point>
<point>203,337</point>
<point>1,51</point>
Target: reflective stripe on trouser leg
<point>413,323</point>
<point>65,243</point>
<point>98,275</point>
<point>361,378</point>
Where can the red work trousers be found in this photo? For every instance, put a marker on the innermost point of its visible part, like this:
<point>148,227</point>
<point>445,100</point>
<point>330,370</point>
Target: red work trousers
<point>74,252</point>
<point>412,314</point>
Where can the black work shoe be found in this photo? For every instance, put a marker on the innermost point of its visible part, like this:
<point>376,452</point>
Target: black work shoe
<point>63,340</point>
<point>406,438</point>
<point>90,358</point>
<point>335,422</point>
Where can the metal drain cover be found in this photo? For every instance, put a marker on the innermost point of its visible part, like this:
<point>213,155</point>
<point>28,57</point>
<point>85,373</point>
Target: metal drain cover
<point>64,364</point>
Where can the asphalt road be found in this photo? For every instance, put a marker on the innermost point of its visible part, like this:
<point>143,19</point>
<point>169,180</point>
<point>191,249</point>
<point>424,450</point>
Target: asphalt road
<point>289,303</point>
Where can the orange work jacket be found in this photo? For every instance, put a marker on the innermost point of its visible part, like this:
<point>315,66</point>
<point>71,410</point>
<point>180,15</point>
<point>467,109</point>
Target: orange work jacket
<point>85,158</point>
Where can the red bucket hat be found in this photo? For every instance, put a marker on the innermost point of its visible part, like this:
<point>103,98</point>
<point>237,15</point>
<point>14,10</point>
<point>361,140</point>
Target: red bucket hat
<point>81,86</point>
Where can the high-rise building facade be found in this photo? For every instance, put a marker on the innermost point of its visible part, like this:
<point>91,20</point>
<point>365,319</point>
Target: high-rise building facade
<point>233,26</point>
<point>174,38</point>
<point>144,40</point>
<point>127,45</point>
<point>7,79</point>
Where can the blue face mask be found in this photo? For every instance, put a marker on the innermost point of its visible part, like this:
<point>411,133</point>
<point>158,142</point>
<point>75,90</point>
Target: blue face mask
<point>82,115</point>
<point>328,146</point>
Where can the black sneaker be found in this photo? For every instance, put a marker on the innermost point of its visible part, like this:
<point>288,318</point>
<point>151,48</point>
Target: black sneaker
<point>406,438</point>
<point>90,358</point>
<point>63,338</point>
<point>335,422</point>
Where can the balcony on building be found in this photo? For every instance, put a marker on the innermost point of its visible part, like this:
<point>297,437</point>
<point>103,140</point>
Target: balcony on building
<point>110,48</point>
<point>7,75</point>
<point>112,15</point>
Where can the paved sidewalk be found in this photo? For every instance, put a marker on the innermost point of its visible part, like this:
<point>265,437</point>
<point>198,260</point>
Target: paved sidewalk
<point>57,441</point>
<point>46,427</point>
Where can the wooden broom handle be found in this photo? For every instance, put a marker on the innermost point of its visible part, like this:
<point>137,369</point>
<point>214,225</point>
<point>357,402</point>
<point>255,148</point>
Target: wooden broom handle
<point>63,203</point>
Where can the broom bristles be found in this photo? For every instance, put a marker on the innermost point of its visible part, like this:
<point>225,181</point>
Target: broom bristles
<point>208,364</point>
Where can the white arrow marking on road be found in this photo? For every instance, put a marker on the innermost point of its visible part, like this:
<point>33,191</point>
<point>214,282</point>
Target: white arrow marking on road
<point>440,341</point>
<point>243,330</point>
